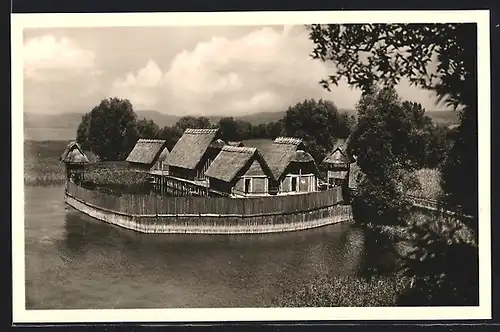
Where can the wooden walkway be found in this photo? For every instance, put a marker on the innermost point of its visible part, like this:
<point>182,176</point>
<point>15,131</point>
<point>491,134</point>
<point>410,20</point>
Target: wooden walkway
<point>427,204</point>
<point>170,185</point>
<point>433,205</point>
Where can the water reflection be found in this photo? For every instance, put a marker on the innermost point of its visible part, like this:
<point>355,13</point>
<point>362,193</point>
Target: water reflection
<point>91,264</point>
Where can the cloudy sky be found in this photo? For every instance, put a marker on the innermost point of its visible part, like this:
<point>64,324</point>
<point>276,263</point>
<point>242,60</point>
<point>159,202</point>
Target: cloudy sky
<point>230,70</point>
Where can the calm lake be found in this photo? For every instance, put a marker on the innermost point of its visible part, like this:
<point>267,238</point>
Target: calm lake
<point>76,262</point>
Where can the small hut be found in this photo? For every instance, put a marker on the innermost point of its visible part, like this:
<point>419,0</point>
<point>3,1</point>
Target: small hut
<point>75,160</point>
<point>148,154</point>
<point>294,170</point>
<point>336,165</point>
<point>193,153</point>
<point>240,171</point>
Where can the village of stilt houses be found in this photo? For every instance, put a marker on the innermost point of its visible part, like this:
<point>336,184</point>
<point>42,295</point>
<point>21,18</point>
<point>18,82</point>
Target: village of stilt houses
<point>207,185</point>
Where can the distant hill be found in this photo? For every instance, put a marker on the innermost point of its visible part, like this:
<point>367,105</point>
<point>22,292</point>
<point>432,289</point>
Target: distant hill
<point>63,126</point>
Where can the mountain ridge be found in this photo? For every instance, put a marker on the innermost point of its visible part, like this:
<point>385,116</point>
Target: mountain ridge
<point>66,124</point>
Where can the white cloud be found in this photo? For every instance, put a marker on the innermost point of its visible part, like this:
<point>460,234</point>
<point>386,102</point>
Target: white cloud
<point>49,58</point>
<point>265,70</point>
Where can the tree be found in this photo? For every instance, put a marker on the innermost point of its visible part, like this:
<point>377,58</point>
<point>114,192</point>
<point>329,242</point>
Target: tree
<point>193,122</point>
<point>234,130</point>
<point>440,143</point>
<point>317,123</point>
<point>171,135</point>
<point>147,128</point>
<point>259,131</point>
<point>385,53</point>
<point>387,132</point>
<point>382,142</point>
<point>275,128</point>
<point>112,130</point>
<point>82,132</point>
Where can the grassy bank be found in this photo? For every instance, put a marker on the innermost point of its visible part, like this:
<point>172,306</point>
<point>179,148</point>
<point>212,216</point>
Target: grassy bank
<point>345,291</point>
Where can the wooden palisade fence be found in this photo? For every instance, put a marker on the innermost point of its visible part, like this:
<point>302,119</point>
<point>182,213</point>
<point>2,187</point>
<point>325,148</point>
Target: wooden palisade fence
<point>160,214</point>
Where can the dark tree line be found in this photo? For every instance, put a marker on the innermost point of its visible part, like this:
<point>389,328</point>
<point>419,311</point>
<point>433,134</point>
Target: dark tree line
<point>111,129</point>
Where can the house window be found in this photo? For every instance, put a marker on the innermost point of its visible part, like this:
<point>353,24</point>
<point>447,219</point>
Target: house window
<point>294,184</point>
<point>248,182</point>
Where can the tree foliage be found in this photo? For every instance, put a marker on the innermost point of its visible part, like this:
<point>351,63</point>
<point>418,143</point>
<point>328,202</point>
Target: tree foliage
<point>147,128</point>
<point>234,130</point>
<point>384,143</point>
<point>438,57</point>
<point>110,129</point>
<point>318,123</point>
<point>171,134</point>
<point>82,132</point>
<point>366,53</point>
<point>193,122</point>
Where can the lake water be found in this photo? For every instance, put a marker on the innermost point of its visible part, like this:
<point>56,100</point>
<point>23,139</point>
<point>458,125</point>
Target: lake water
<point>76,262</point>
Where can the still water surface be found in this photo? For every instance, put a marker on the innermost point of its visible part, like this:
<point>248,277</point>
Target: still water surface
<point>76,262</point>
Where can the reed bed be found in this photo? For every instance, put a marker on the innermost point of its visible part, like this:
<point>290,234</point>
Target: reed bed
<point>41,163</point>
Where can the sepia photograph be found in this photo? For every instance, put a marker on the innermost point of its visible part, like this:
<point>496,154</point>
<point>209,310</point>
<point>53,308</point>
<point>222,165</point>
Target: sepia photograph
<point>249,166</point>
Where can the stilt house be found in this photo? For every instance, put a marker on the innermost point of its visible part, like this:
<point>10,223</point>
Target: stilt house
<point>193,153</point>
<point>241,171</point>
<point>336,165</point>
<point>148,155</point>
<point>294,169</point>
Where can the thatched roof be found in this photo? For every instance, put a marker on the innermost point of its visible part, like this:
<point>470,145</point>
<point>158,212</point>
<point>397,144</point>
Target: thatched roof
<point>146,151</point>
<point>73,154</point>
<point>302,157</point>
<point>278,153</point>
<point>191,147</point>
<point>218,143</point>
<point>91,156</point>
<point>288,140</point>
<point>232,143</point>
<point>163,155</point>
<point>278,156</point>
<point>231,161</point>
<point>339,154</point>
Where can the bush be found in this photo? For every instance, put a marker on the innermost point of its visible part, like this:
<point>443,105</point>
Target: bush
<point>430,184</point>
<point>440,255</point>
<point>381,201</point>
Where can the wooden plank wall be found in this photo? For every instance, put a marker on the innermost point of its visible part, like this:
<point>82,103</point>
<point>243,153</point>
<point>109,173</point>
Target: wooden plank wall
<point>154,204</point>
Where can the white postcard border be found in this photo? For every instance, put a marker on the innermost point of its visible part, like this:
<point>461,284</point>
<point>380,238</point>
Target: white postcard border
<point>23,21</point>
